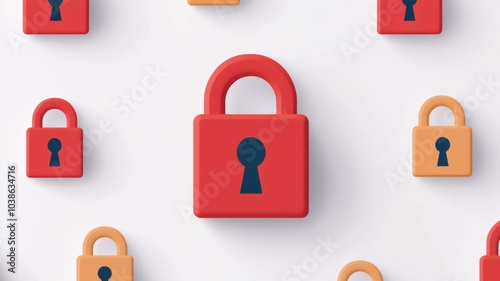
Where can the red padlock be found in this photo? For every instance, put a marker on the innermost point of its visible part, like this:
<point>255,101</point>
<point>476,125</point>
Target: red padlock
<point>409,16</point>
<point>490,264</point>
<point>246,165</point>
<point>54,152</point>
<point>56,16</point>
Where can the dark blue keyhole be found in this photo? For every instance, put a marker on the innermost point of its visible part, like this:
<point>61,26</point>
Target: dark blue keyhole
<point>54,146</point>
<point>442,145</point>
<point>104,273</point>
<point>55,15</point>
<point>409,13</point>
<point>251,153</point>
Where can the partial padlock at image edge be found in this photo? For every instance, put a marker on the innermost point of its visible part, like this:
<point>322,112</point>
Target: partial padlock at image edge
<point>98,268</point>
<point>360,266</point>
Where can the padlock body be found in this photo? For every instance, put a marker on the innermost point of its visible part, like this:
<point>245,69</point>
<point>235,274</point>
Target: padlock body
<point>38,155</point>
<point>122,267</point>
<point>490,268</point>
<point>74,17</point>
<point>427,17</point>
<point>218,173</point>
<point>426,155</point>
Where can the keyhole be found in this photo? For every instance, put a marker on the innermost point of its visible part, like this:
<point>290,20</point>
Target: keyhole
<point>409,13</point>
<point>442,145</point>
<point>251,153</point>
<point>54,146</point>
<point>55,15</point>
<point>104,273</point>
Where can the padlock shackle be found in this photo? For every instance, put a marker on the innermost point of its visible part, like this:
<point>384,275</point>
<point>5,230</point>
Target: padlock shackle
<point>360,266</point>
<point>493,239</point>
<point>104,232</point>
<point>449,102</point>
<point>241,66</point>
<point>54,103</point>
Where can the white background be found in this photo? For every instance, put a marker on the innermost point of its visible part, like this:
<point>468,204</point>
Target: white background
<point>138,178</point>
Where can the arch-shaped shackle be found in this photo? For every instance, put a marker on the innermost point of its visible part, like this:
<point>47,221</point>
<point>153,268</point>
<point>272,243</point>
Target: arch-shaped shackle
<point>241,66</point>
<point>54,103</point>
<point>449,102</point>
<point>360,266</point>
<point>104,232</point>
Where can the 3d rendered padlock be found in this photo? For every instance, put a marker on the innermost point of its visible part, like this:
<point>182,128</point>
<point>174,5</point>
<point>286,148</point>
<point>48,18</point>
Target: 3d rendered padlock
<point>111,268</point>
<point>490,264</point>
<point>409,16</point>
<point>251,165</point>
<point>360,266</point>
<point>54,152</point>
<point>56,16</point>
<point>442,151</point>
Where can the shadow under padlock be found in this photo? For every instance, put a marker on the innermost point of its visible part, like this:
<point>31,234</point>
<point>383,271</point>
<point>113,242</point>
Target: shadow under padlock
<point>55,14</point>
<point>442,145</point>
<point>251,153</point>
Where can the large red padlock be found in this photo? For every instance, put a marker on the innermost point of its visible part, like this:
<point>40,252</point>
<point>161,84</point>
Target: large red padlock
<point>54,152</point>
<point>409,16</point>
<point>490,264</point>
<point>251,165</point>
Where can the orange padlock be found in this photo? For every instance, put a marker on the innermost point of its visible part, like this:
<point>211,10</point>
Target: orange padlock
<point>360,266</point>
<point>54,152</point>
<point>442,151</point>
<point>110,268</point>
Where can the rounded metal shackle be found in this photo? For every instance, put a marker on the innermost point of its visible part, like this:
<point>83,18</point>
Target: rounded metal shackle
<point>104,232</point>
<point>250,65</point>
<point>493,239</point>
<point>449,102</point>
<point>54,103</point>
<point>360,266</point>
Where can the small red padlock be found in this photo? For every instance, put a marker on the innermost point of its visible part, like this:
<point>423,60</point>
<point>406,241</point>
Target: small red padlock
<point>251,165</point>
<point>56,16</point>
<point>54,152</point>
<point>490,264</point>
<point>409,16</point>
